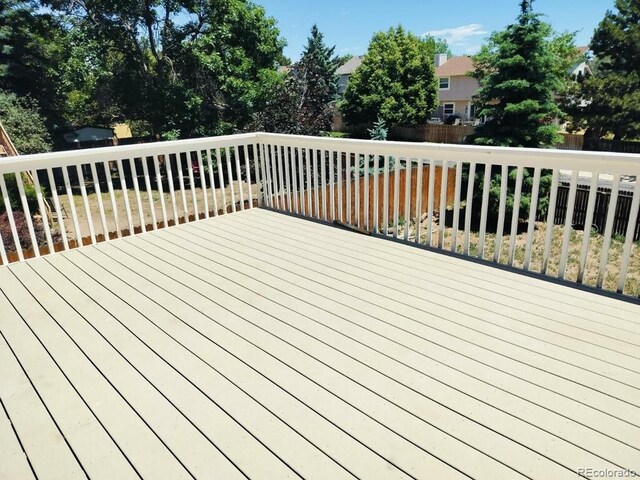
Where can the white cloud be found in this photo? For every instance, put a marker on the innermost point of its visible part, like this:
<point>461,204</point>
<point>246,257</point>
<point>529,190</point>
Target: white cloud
<point>461,36</point>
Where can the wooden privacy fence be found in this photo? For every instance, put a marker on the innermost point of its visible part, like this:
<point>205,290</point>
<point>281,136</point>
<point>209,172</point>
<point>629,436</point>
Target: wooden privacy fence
<point>602,145</point>
<point>349,200</point>
<point>571,141</point>
<point>432,133</point>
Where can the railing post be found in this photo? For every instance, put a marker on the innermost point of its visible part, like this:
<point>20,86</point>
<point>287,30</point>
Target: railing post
<point>12,223</point>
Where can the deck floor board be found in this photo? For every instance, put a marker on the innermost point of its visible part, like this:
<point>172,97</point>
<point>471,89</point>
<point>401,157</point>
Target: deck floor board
<point>483,391</point>
<point>259,345</point>
<point>13,459</point>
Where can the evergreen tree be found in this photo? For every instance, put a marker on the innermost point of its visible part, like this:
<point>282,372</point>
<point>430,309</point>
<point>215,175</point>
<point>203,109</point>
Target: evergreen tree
<point>395,82</point>
<point>301,102</point>
<point>613,91</point>
<point>30,55</point>
<point>314,80</point>
<point>520,70</point>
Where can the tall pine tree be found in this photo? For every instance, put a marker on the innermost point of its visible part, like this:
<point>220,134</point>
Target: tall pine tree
<point>315,81</point>
<point>302,101</point>
<point>614,88</point>
<point>519,74</point>
<point>30,53</point>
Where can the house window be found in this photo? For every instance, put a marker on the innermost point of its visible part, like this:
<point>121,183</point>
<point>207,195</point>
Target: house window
<point>444,83</point>
<point>448,109</point>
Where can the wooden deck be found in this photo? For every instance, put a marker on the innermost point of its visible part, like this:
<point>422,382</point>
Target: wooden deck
<point>257,345</point>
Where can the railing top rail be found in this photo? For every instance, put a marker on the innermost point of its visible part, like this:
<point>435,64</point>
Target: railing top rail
<point>610,162</point>
<point>71,157</point>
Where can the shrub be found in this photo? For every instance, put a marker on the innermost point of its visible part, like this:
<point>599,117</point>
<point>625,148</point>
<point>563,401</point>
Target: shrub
<point>22,229</point>
<point>379,131</point>
<point>494,193</point>
<point>24,124</point>
<point>14,195</point>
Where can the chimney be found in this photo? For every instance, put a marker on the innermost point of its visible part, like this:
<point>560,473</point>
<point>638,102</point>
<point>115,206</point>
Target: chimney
<point>441,59</point>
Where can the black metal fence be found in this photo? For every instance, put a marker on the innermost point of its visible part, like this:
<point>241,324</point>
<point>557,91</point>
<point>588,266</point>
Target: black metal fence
<point>603,198</point>
<point>602,145</point>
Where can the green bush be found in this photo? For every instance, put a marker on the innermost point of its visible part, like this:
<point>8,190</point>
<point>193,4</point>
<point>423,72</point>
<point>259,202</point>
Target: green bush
<point>494,192</point>
<point>24,124</point>
<point>14,196</point>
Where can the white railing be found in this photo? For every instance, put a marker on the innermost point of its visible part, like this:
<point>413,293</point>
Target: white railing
<point>533,211</point>
<point>421,193</point>
<point>99,194</point>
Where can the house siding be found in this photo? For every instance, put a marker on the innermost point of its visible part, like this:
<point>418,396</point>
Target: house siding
<point>461,89</point>
<point>343,81</point>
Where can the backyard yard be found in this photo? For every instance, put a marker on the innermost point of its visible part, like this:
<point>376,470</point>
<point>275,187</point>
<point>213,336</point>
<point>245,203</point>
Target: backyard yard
<point>144,206</point>
<point>537,252</point>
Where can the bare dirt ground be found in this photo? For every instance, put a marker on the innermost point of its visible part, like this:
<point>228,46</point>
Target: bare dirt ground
<point>141,212</point>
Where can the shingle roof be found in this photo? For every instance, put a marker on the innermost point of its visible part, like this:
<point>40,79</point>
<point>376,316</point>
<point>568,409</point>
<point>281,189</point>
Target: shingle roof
<point>350,67</point>
<point>455,66</point>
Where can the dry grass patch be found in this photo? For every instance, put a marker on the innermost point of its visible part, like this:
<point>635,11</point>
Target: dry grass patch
<point>576,238</point>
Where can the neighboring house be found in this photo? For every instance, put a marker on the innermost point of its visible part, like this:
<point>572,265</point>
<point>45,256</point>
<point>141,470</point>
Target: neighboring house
<point>345,71</point>
<point>582,67</point>
<point>89,134</point>
<point>455,87</point>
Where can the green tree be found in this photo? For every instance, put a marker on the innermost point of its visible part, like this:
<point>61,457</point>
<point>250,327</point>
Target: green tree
<point>314,78</point>
<point>379,131</point>
<point>521,70</point>
<point>301,101</point>
<point>441,45</point>
<point>21,118</point>
<point>87,88</point>
<point>179,66</point>
<point>30,54</point>
<point>395,82</point>
<point>276,111</point>
<point>613,91</point>
<point>342,59</point>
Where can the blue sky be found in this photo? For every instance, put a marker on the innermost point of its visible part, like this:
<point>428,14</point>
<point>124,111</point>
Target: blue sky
<point>349,24</point>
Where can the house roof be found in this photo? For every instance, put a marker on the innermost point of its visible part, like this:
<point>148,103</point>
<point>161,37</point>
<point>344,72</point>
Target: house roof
<point>73,133</point>
<point>350,67</point>
<point>455,66</point>
<point>76,128</point>
<point>584,49</point>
